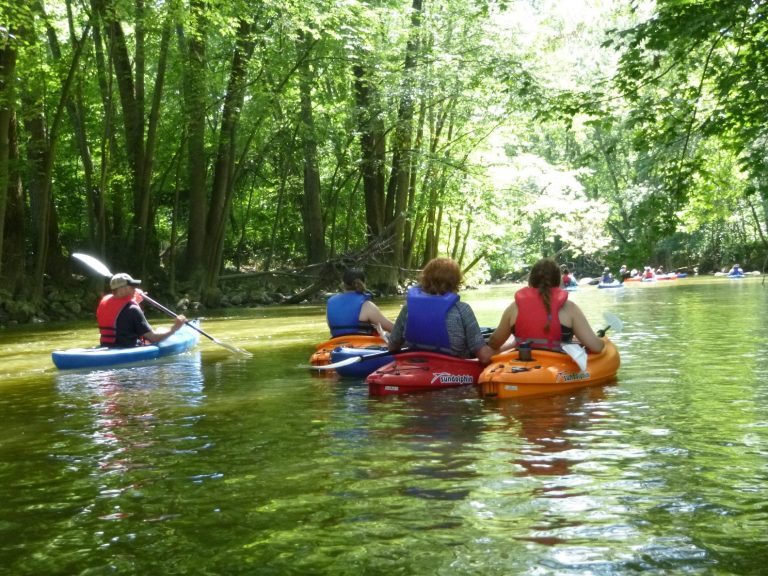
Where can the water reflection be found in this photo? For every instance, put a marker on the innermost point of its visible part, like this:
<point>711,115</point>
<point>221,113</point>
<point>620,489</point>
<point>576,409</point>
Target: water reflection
<point>139,414</point>
<point>437,430</point>
<point>550,427</point>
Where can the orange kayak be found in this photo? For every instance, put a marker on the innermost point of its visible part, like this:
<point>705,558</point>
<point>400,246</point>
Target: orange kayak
<point>322,354</point>
<point>546,373</point>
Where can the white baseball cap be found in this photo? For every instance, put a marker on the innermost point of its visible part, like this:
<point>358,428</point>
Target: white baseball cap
<point>122,279</point>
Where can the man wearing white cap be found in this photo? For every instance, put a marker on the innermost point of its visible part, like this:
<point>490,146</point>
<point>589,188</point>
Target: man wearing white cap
<point>122,323</point>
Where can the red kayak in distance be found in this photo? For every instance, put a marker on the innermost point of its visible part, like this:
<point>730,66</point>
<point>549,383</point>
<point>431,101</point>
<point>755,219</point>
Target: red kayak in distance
<point>422,371</point>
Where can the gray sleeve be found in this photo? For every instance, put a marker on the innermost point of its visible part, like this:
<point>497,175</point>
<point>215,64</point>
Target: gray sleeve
<point>472,334</point>
<point>397,336</point>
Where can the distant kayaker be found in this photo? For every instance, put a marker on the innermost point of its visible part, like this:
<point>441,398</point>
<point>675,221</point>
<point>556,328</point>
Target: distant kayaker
<point>736,271</point>
<point>434,318</point>
<point>648,273</point>
<point>607,277</point>
<point>352,311</point>
<point>530,317</point>
<point>568,278</point>
<point>624,273</point>
<point>122,323</point>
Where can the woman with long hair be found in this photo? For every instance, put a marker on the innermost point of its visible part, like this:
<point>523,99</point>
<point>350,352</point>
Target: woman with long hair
<point>543,316</point>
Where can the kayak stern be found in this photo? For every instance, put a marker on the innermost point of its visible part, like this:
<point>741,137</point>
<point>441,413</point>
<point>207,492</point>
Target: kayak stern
<point>547,373</point>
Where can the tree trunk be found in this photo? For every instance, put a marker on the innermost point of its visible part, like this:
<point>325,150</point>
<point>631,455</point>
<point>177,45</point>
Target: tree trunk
<point>402,154</point>
<point>143,217</point>
<point>77,113</point>
<point>194,48</point>
<point>132,108</point>
<point>370,124</point>
<point>42,153</point>
<point>108,151</point>
<point>7,118</point>
<point>311,206</point>
<point>223,185</point>
<point>14,248</point>
<point>411,222</point>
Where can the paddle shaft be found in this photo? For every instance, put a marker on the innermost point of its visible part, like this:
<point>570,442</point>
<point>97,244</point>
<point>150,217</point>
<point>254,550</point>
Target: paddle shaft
<point>356,359</point>
<point>172,314</point>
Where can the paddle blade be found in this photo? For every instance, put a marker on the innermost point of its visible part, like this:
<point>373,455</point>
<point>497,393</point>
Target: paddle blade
<point>613,321</point>
<point>577,353</point>
<point>232,348</point>
<point>383,334</point>
<point>94,264</point>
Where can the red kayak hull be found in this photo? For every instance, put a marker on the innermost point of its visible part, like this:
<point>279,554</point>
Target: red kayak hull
<point>422,371</point>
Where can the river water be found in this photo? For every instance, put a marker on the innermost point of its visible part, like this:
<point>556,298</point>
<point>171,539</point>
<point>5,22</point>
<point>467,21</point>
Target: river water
<point>215,464</point>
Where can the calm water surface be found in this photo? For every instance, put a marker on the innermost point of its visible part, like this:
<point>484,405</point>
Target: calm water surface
<point>214,464</point>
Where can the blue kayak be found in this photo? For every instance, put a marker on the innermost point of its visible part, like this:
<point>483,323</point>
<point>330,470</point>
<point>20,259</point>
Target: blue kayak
<point>179,342</point>
<point>363,368</point>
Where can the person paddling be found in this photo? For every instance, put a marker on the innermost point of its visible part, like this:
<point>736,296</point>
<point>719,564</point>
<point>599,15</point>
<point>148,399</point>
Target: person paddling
<point>121,320</point>
<point>543,316</point>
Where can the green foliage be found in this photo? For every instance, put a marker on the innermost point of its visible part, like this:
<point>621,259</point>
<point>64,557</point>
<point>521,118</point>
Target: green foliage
<point>534,131</point>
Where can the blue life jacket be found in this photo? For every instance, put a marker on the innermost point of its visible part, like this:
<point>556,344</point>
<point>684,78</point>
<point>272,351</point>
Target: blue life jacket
<point>426,327</point>
<point>343,313</point>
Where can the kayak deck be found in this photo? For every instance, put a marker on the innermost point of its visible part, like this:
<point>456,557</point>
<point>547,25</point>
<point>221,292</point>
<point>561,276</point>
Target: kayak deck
<point>422,371</point>
<point>181,341</point>
<point>546,373</point>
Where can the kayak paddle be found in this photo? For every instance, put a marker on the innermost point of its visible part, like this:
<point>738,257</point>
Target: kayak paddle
<point>101,268</point>
<point>578,353</point>
<point>356,359</point>
<point>614,322</point>
<point>486,332</point>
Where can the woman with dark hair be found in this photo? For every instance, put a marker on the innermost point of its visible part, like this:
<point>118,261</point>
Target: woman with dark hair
<point>434,319</point>
<point>542,314</point>
<point>352,311</point>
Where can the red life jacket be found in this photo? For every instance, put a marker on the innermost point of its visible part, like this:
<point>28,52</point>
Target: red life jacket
<point>106,316</point>
<point>532,317</point>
